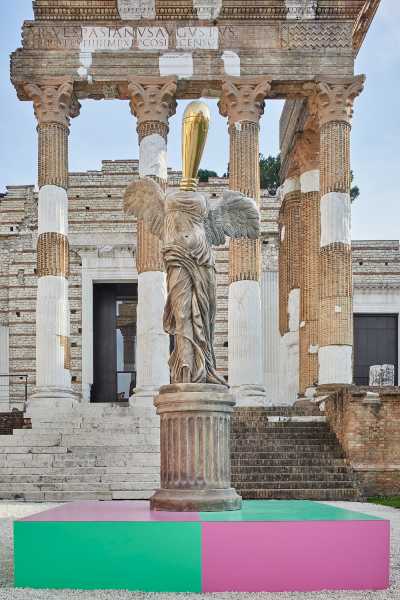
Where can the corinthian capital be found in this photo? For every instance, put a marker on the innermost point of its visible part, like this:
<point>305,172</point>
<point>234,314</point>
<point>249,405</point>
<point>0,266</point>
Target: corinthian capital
<point>334,99</point>
<point>54,101</point>
<point>243,98</point>
<point>152,98</point>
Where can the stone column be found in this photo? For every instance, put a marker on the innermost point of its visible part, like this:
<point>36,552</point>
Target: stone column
<point>54,103</point>
<point>152,101</point>
<point>243,102</point>
<point>307,147</point>
<point>195,436</point>
<point>270,313</point>
<point>334,102</point>
<point>289,284</point>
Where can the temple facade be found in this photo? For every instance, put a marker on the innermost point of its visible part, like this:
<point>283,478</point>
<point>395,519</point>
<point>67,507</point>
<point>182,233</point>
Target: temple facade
<point>303,312</point>
<point>103,296</point>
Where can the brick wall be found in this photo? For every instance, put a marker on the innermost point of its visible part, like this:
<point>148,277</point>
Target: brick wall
<point>367,423</point>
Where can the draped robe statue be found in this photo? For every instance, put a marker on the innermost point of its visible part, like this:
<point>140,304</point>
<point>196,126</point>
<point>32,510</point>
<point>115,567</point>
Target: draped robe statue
<point>188,224</point>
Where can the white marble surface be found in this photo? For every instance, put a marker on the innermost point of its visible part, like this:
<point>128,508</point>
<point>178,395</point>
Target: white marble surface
<point>245,340</point>
<point>335,364</point>
<point>52,210</point>
<point>335,218</point>
<point>52,322</point>
<point>153,156</point>
<point>152,341</point>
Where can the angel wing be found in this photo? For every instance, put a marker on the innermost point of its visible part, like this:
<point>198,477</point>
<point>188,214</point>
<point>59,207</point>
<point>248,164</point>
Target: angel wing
<point>145,199</point>
<point>235,215</point>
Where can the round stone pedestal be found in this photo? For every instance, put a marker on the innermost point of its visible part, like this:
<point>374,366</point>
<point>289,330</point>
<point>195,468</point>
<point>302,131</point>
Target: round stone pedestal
<point>195,449</point>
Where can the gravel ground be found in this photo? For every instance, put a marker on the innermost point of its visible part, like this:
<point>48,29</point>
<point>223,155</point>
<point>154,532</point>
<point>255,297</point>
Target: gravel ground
<point>11,511</point>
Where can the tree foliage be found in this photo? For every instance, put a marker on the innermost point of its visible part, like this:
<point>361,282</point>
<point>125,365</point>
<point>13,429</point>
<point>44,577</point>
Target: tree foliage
<point>205,174</point>
<point>355,190</point>
<point>269,173</point>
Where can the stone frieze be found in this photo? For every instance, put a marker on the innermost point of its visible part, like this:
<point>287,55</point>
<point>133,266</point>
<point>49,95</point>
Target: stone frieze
<point>178,36</point>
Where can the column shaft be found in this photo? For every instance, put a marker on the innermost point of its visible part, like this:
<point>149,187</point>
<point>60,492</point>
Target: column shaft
<point>152,102</point>
<point>289,290</point>
<point>336,306</point>
<point>243,102</point>
<point>270,313</point>
<point>310,277</point>
<point>244,176</point>
<point>334,102</point>
<point>54,104</point>
<point>308,155</point>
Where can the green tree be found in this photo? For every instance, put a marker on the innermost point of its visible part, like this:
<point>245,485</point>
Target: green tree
<point>205,174</point>
<point>269,173</point>
<point>355,190</point>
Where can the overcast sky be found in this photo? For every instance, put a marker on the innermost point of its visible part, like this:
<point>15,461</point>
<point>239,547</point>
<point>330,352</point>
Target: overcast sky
<point>106,130</point>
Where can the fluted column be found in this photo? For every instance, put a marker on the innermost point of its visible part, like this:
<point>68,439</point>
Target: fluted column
<point>289,284</point>
<point>334,102</point>
<point>242,101</point>
<point>152,101</point>
<point>54,103</point>
<point>270,314</point>
<point>307,146</point>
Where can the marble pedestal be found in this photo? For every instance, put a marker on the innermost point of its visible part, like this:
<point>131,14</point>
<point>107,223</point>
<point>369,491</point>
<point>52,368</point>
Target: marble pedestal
<point>195,449</point>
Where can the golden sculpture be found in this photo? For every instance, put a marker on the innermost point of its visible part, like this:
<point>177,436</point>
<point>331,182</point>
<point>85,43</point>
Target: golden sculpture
<point>196,122</point>
<point>188,225</point>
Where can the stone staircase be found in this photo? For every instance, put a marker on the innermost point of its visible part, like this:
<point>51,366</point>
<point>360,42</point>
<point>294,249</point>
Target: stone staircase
<point>92,451</point>
<point>288,453</point>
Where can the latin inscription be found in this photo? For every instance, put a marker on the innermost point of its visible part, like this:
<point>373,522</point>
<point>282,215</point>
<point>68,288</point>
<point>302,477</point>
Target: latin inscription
<point>197,38</point>
<point>169,36</point>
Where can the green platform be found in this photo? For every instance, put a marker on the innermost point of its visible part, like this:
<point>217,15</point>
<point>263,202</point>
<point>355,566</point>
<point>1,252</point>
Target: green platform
<point>105,555</point>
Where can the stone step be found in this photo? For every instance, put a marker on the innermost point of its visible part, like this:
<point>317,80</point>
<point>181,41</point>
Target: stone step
<point>282,448</point>
<point>300,494</point>
<point>286,470</point>
<point>267,456</point>
<point>296,462</point>
<point>293,484</point>
<point>284,438</point>
<point>251,479</point>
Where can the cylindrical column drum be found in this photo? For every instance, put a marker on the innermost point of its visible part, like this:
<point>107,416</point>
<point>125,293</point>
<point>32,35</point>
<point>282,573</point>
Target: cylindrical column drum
<point>195,422</point>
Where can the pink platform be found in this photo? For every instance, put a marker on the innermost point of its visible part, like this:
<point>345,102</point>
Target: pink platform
<point>295,556</point>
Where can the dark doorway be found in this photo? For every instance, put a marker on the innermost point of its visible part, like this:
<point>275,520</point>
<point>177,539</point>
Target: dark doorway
<point>114,341</point>
<point>375,343</point>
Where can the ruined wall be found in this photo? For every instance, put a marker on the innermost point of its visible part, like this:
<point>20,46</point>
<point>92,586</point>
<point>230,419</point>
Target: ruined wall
<point>367,424</point>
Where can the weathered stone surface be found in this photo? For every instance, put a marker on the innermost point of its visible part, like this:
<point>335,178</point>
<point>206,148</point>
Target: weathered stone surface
<point>367,425</point>
<point>195,449</point>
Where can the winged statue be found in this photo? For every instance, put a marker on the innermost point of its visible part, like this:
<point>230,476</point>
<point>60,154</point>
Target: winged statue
<point>189,223</point>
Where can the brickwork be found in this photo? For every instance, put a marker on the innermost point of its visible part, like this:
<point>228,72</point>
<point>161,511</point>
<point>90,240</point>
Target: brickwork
<point>367,424</point>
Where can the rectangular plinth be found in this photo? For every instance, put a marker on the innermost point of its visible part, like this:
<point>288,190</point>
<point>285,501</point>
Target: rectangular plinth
<point>267,546</point>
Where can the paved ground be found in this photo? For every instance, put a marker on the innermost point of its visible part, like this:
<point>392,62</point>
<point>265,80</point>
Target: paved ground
<point>10,511</point>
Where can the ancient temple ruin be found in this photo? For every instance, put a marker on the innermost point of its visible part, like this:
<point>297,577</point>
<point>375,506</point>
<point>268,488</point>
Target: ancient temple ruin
<point>77,271</point>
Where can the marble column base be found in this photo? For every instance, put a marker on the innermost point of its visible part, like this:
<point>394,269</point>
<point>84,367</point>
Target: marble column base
<point>144,397</point>
<point>250,395</point>
<point>50,397</point>
<point>195,449</point>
